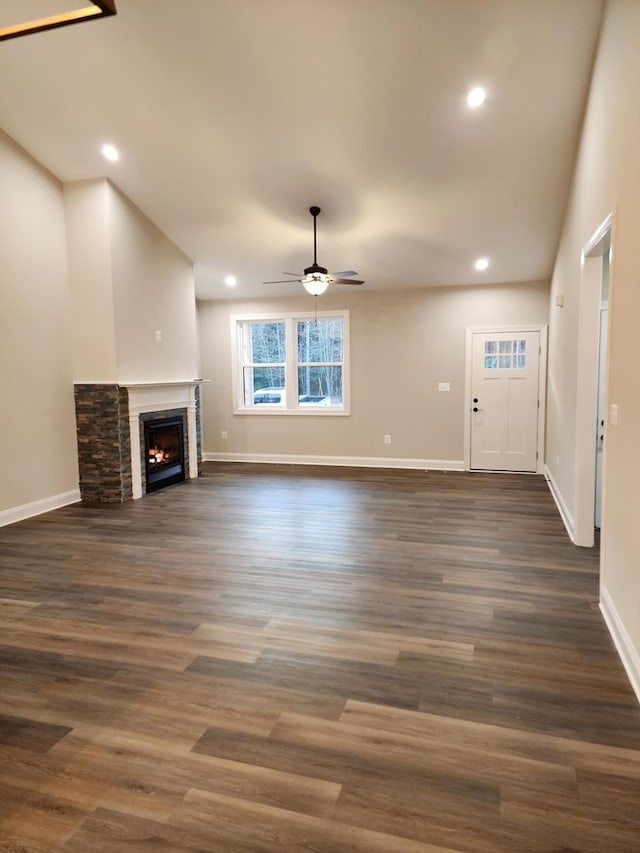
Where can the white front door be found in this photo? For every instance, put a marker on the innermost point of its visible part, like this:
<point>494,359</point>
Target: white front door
<point>504,400</point>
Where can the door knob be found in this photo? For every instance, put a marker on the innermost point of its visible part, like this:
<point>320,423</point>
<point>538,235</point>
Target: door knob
<point>476,409</point>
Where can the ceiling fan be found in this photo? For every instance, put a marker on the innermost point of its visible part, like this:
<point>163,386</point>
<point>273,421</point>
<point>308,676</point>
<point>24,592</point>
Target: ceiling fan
<point>316,279</point>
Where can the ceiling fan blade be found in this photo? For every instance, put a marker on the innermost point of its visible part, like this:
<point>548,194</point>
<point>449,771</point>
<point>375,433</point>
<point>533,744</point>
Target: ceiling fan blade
<point>296,274</point>
<point>345,281</point>
<point>344,274</point>
<point>284,281</point>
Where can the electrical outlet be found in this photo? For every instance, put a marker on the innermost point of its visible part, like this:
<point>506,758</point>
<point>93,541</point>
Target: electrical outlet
<point>224,435</point>
<point>158,336</point>
<point>444,386</point>
<point>387,439</point>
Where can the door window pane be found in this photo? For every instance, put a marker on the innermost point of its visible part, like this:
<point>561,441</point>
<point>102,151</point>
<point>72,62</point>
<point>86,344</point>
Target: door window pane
<point>512,354</point>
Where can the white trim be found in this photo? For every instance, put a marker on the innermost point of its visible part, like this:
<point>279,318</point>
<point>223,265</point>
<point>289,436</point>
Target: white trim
<point>269,409</point>
<point>622,641</point>
<point>280,315</point>
<point>563,509</point>
<point>542,329</point>
<point>592,246</point>
<point>20,513</point>
<point>342,461</point>
<point>290,364</point>
<point>588,354</point>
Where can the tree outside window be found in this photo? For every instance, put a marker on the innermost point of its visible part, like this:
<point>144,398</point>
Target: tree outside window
<point>291,365</point>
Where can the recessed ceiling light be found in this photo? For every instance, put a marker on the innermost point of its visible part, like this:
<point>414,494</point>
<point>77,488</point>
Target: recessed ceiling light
<point>110,152</point>
<point>231,281</point>
<point>482,264</point>
<point>477,96</point>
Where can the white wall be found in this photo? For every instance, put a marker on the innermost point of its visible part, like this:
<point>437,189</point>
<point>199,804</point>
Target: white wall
<point>90,276</point>
<point>85,281</point>
<point>402,344</point>
<point>153,291</point>
<point>129,282</point>
<point>37,421</point>
<point>606,181</point>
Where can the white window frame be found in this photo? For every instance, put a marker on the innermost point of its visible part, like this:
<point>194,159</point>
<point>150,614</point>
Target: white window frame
<point>288,407</point>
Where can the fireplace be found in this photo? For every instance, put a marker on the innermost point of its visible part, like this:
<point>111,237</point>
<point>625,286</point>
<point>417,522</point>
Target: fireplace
<point>163,452</point>
<point>113,450</point>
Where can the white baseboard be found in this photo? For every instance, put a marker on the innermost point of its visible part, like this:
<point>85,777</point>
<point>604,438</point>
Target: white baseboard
<point>341,461</point>
<point>565,515</point>
<point>629,656</point>
<point>20,513</point>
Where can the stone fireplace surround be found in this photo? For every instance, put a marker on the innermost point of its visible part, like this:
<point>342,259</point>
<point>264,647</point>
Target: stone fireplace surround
<point>109,420</point>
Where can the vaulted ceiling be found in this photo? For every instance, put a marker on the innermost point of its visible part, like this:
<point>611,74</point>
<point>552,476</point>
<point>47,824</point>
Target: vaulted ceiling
<point>232,117</point>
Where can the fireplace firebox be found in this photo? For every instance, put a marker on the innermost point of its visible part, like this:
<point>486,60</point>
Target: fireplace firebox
<point>164,452</point>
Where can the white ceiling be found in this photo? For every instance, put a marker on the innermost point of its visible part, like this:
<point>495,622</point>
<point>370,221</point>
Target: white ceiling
<point>234,116</point>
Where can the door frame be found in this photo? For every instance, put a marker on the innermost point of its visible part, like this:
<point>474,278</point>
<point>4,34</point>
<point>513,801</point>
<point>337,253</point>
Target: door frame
<point>601,408</point>
<point>581,529</point>
<point>542,328</point>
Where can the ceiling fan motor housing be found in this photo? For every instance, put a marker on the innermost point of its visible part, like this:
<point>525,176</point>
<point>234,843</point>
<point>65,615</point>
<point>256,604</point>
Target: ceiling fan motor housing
<point>315,268</point>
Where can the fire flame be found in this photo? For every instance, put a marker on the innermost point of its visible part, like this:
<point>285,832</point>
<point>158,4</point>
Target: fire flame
<point>156,454</point>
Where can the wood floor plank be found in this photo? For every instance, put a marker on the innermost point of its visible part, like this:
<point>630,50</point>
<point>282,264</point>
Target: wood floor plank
<point>30,734</point>
<point>153,776</point>
<point>321,675</point>
<point>35,819</point>
<point>237,825</point>
<point>407,755</point>
<point>283,658</point>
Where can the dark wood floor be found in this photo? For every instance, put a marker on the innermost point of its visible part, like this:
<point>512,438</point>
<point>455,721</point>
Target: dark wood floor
<point>290,659</point>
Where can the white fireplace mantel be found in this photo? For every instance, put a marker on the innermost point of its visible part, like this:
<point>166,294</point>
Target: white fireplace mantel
<point>158,397</point>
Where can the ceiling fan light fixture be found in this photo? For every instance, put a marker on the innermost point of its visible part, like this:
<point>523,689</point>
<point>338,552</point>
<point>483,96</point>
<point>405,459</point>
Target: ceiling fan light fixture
<point>316,283</point>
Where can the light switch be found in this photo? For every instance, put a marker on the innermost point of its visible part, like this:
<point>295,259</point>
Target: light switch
<point>444,386</point>
<point>613,414</point>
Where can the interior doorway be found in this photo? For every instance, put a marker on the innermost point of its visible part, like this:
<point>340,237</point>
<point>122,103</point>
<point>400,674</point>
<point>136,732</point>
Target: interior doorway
<point>591,390</point>
<point>602,381</point>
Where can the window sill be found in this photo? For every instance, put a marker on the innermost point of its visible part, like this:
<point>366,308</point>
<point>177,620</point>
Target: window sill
<point>320,411</point>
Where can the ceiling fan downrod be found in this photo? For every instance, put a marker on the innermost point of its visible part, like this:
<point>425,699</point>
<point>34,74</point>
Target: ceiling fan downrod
<point>315,267</point>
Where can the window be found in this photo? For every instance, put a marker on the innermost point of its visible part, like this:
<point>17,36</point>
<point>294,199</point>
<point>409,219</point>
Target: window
<point>295,364</point>
<point>505,354</point>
